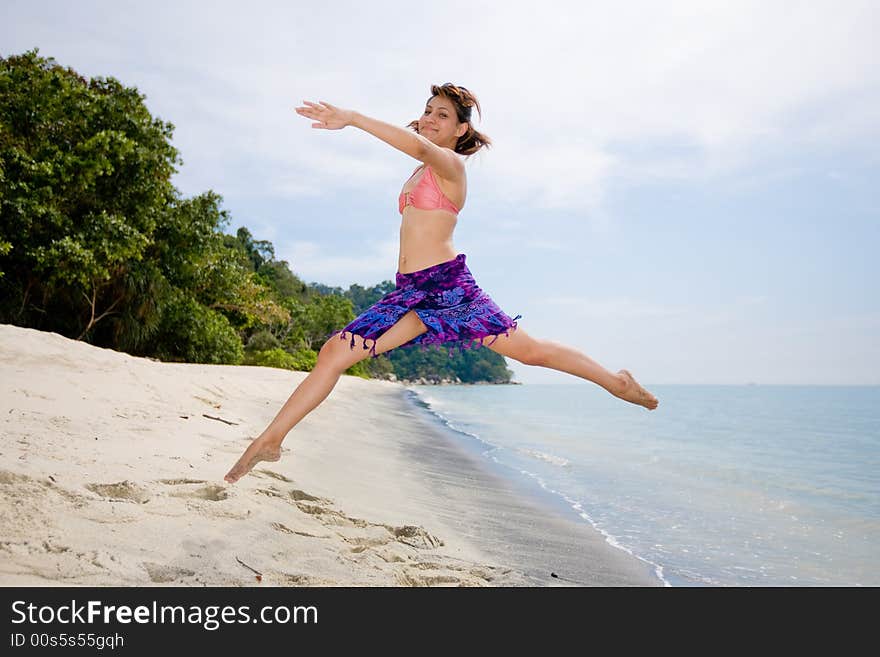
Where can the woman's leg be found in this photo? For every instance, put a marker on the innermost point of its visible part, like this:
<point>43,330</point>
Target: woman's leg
<point>335,357</point>
<point>522,347</point>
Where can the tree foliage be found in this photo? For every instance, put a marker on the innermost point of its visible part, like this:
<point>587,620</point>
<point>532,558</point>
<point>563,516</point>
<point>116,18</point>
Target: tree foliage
<point>86,176</point>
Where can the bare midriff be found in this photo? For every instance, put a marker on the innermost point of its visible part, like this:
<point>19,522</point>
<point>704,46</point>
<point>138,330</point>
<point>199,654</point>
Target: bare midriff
<point>426,235</point>
<point>425,238</point>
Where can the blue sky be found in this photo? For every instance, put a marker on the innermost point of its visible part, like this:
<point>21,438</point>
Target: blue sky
<point>688,190</point>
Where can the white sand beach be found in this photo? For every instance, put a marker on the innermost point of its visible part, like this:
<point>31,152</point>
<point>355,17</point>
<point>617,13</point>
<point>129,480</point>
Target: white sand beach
<point>111,474</point>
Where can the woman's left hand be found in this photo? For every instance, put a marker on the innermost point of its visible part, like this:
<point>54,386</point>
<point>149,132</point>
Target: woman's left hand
<point>329,116</point>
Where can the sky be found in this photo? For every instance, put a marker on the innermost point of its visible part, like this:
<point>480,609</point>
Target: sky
<point>685,189</point>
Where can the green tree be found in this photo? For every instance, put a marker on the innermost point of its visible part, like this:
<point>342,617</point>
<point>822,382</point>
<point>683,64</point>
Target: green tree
<point>211,265</point>
<point>191,333</point>
<point>85,179</point>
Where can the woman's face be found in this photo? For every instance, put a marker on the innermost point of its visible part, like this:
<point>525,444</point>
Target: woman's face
<point>439,123</point>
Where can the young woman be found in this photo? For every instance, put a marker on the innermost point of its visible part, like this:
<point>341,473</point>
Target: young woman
<point>436,300</point>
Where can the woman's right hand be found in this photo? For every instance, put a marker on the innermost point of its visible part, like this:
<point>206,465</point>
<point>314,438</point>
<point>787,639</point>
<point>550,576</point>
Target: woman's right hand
<point>329,116</point>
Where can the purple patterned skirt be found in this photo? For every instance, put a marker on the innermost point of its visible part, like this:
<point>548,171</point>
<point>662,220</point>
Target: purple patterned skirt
<point>446,298</point>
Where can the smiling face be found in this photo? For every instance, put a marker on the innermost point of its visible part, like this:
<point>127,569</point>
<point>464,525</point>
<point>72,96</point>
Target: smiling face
<point>439,123</point>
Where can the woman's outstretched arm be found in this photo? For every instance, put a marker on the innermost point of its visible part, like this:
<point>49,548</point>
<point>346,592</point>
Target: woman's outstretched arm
<point>330,117</point>
<point>402,139</point>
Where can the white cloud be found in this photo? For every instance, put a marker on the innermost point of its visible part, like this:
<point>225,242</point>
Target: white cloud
<point>314,262</point>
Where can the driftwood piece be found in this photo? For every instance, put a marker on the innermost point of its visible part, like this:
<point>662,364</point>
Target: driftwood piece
<point>256,572</point>
<point>220,419</point>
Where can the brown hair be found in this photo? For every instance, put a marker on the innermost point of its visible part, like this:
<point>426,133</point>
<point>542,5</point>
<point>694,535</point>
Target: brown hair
<point>463,100</point>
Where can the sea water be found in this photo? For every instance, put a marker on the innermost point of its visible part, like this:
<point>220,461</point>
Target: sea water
<point>719,486</point>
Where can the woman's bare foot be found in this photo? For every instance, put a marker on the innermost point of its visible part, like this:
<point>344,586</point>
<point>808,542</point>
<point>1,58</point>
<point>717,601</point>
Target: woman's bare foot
<point>635,393</point>
<point>261,449</point>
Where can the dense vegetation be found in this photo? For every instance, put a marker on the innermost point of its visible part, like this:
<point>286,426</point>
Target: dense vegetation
<point>97,244</point>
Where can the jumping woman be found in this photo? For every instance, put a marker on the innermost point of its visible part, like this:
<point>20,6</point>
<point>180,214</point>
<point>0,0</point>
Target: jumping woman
<point>436,300</point>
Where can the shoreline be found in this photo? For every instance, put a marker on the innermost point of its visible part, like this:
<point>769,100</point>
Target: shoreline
<point>529,528</point>
<point>111,473</point>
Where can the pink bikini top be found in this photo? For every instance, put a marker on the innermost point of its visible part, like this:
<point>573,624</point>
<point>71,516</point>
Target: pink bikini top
<point>426,195</point>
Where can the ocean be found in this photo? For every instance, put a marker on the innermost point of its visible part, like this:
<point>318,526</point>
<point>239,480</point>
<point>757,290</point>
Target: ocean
<point>721,485</point>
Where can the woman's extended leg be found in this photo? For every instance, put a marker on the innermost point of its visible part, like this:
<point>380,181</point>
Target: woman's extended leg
<point>335,357</point>
<point>520,346</point>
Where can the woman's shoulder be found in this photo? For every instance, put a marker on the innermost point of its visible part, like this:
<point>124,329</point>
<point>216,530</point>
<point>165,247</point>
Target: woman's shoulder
<point>443,162</point>
<point>457,161</point>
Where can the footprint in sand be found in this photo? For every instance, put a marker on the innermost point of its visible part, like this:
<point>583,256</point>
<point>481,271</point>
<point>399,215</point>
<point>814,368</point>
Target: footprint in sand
<point>160,573</point>
<point>414,536</point>
<point>414,578</point>
<point>368,540</point>
<point>431,573</point>
<point>300,495</point>
<point>210,492</point>
<point>274,475</point>
<point>122,491</point>
<point>278,527</point>
<point>7,477</point>
<point>55,549</point>
<point>301,580</point>
<point>295,494</point>
<point>320,509</point>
